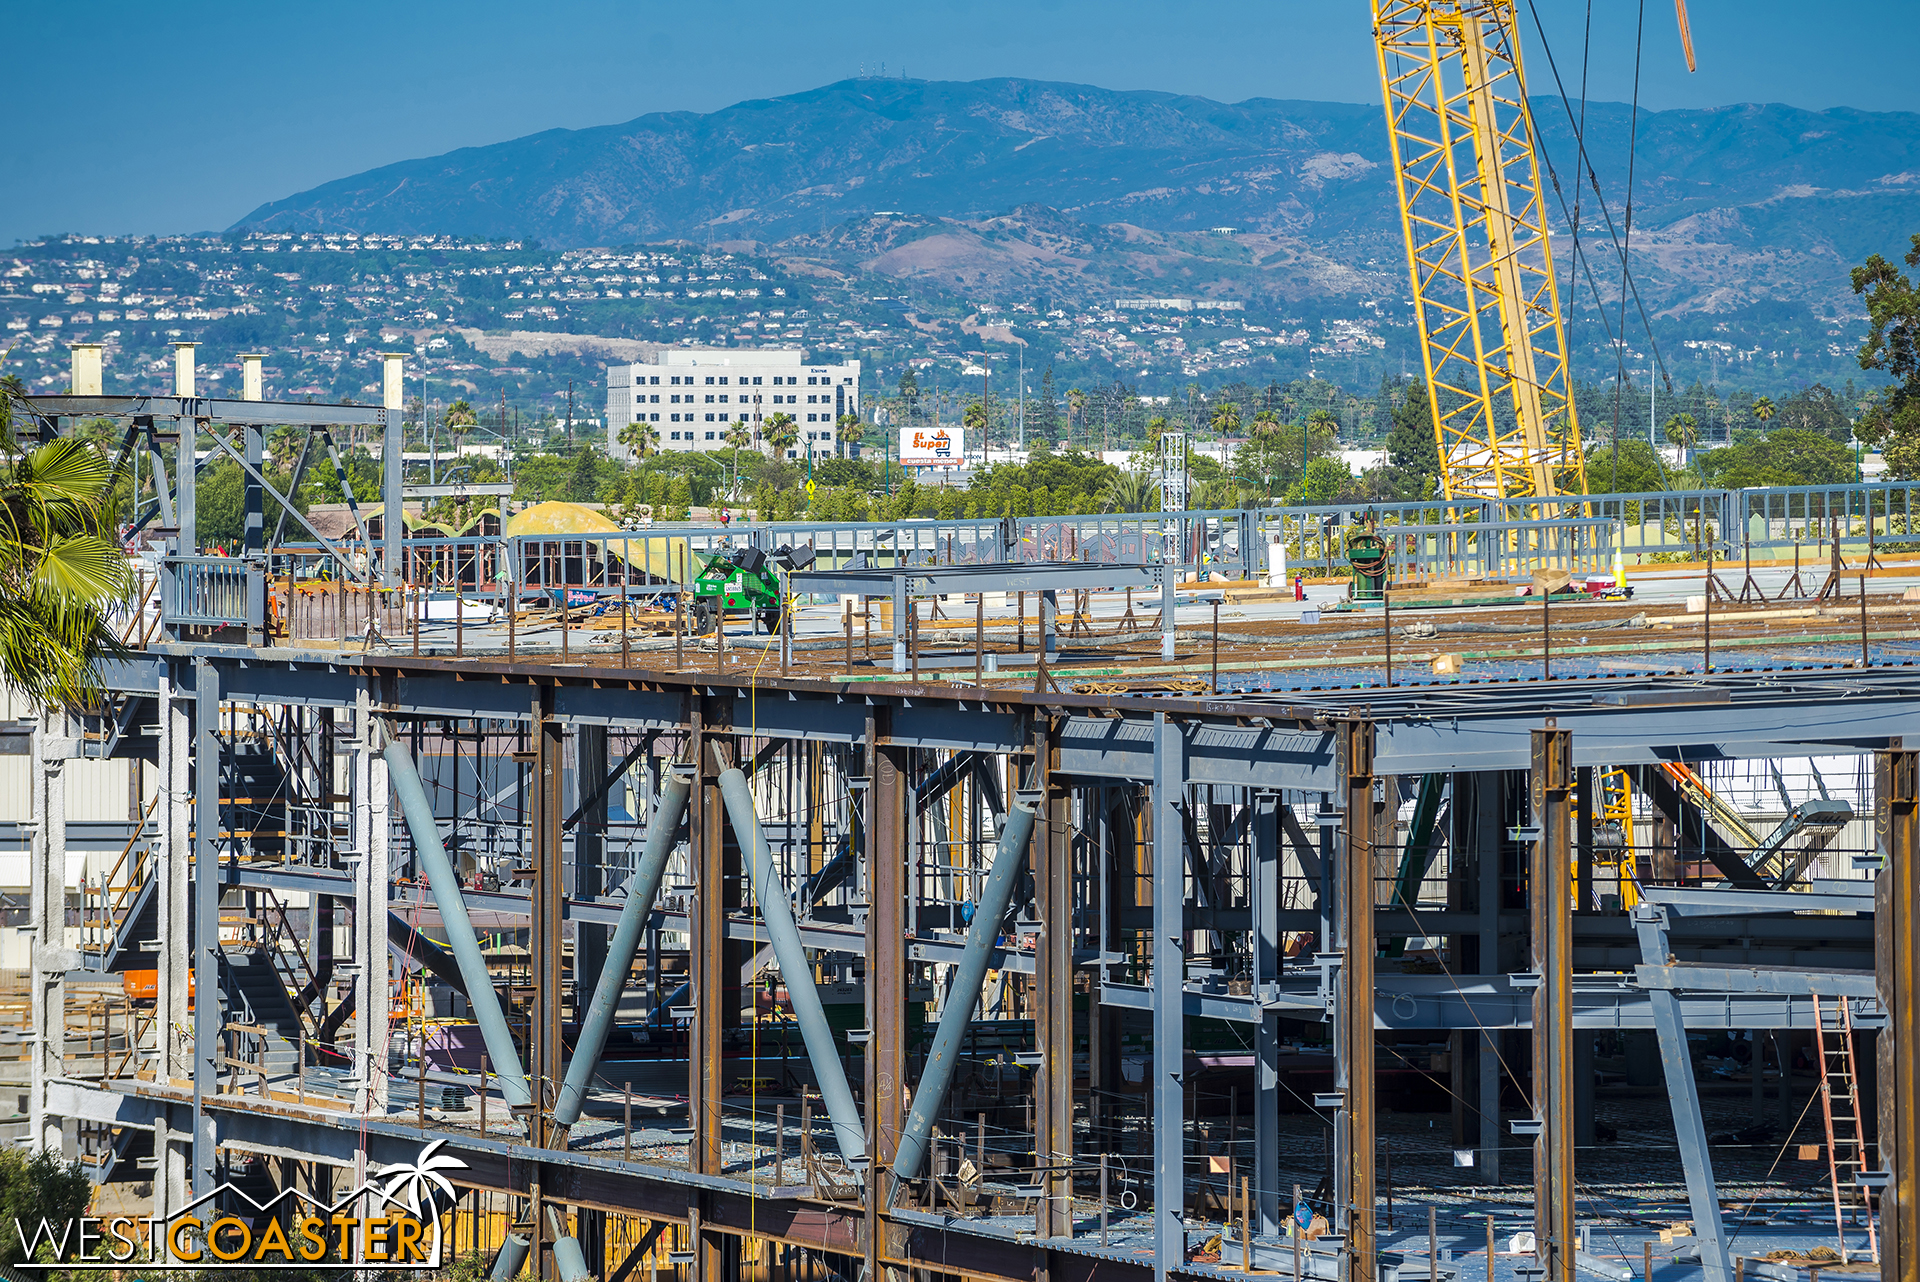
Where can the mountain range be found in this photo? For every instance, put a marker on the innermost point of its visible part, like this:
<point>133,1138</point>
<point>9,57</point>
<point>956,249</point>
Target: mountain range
<point>1072,189</point>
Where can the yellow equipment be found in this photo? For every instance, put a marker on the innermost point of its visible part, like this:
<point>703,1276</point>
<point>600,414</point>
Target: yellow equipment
<point>1475,222</point>
<point>1616,811</point>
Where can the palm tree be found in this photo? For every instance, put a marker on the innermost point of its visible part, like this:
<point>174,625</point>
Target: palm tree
<point>640,436</point>
<point>1076,410</point>
<point>851,430</point>
<point>1128,492</point>
<point>1764,409</point>
<point>974,419</point>
<point>61,568</point>
<point>1226,419</point>
<point>1266,423</point>
<point>739,437</point>
<point>1683,431</point>
<point>780,432</point>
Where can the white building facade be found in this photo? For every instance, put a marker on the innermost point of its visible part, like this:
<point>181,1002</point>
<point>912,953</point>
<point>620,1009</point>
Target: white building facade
<point>692,396</point>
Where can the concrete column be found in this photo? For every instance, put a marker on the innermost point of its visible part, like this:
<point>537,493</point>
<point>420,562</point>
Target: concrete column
<point>54,742</point>
<point>173,896</point>
<point>369,834</point>
<point>209,1010</point>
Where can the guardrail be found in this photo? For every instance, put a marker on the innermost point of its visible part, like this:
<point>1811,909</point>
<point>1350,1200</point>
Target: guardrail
<point>203,592</point>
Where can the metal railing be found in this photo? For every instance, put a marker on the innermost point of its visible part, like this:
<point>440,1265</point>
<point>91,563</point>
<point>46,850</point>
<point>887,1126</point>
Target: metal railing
<point>203,592</point>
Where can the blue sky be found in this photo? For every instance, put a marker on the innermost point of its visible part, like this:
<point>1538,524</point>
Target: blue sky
<point>137,117</point>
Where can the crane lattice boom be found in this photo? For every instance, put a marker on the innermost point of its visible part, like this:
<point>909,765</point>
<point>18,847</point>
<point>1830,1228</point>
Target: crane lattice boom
<point>1485,299</point>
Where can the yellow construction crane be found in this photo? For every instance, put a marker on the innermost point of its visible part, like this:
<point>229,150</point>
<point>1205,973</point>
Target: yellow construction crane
<point>1476,227</point>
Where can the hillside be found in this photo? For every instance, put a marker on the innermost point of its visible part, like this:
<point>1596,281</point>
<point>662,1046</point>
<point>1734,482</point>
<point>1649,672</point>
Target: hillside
<point>1733,206</point>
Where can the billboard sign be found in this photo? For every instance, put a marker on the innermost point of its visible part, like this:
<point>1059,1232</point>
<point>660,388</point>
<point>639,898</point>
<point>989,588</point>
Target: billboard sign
<point>932,447</point>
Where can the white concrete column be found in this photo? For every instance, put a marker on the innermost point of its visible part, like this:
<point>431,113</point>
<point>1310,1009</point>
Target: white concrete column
<point>371,799</point>
<point>172,869</point>
<point>54,742</point>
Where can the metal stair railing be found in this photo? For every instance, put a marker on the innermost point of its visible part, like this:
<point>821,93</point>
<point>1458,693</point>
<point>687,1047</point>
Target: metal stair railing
<point>108,906</point>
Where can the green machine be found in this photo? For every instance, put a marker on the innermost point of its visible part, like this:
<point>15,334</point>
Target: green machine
<point>745,580</point>
<point>1366,554</point>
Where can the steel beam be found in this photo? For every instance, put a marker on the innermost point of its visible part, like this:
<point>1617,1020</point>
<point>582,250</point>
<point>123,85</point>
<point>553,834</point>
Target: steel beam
<point>430,856</point>
<point>1896,919</point>
<point>209,1005</point>
<point>803,995</point>
<point>1690,1129</point>
<point>964,991</point>
<point>1550,897</point>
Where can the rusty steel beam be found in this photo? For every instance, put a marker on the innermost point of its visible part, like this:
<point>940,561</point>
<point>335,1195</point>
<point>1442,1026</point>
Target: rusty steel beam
<point>1356,942</point>
<point>1052,855</point>
<point>1896,923</point>
<point>1550,900</point>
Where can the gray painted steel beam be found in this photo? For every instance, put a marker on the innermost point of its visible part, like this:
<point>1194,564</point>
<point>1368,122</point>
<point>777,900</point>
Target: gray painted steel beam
<point>776,911</point>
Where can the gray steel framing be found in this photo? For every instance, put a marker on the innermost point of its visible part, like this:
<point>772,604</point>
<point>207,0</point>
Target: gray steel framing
<point>1159,752</point>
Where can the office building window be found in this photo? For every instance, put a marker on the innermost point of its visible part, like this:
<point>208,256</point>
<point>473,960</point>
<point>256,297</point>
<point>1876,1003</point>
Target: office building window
<point>709,436</point>
<point>756,380</point>
<point>723,398</point>
<point>709,380</point>
<point>723,380</point>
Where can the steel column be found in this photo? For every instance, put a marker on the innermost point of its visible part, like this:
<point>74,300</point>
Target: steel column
<point>887,854</point>
<point>544,946</point>
<point>590,783</point>
<point>369,837</point>
<point>1896,921</point>
<point>1267,959</point>
<point>1353,1049</point>
<point>1053,989</point>
<point>1550,899</point>
<point>1169,982</point>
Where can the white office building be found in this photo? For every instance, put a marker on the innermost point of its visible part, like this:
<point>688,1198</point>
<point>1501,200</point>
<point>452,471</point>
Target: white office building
<point>693,395</point>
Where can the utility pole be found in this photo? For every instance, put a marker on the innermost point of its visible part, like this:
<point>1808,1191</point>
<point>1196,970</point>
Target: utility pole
<point>1023,396</point>
<point>569,412</point>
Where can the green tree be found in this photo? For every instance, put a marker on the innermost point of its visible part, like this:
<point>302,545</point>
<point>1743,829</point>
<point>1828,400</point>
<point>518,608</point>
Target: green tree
<point>1784,456</point>
<point>1130,492</point>
<point>1076,409</point>
<point>1225,420</point>
<point>1893,347</point>
<point>1684,431</point>
<point>1817,408</point>
<point>739,437</point>
<point>583,481</point>
<point>780,431</point>
<point>1762,410</point>
<point>1413,453</point>
<point>62,572</point>
<point>461,419</point>
<point>37,1188</point>
<point>1044,413</point>
<point>640,436</point>
<point>849,430</point>
<point>974,420</point>
<point>1639,469</point>
<point>1325,480</point>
